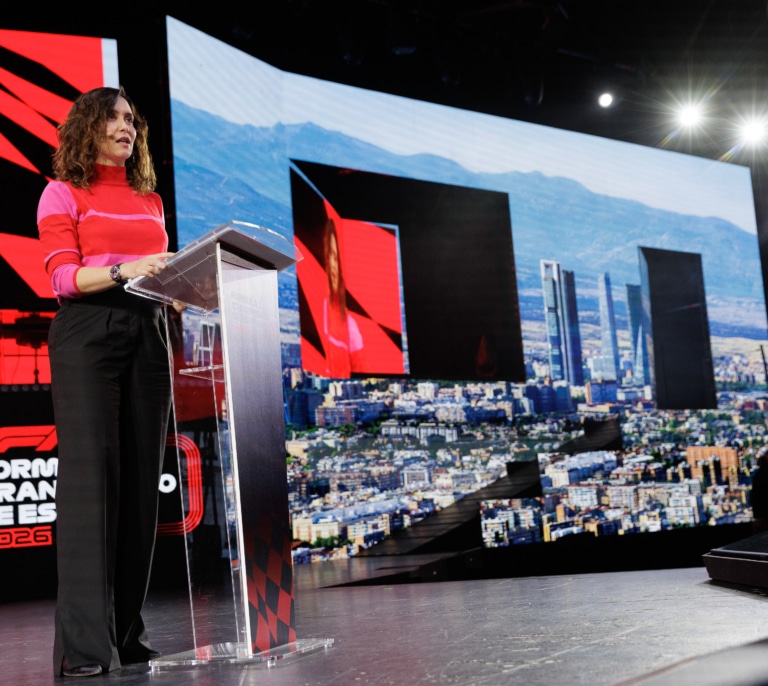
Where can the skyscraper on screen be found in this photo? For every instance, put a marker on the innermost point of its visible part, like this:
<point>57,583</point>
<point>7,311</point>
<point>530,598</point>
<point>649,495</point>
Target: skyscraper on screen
<point>608,336</point>
<point>562,322</point>
<point>575,373</point>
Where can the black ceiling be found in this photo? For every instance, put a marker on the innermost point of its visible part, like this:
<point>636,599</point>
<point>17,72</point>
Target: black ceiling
<point>535,60</point>
<point>540,61</point>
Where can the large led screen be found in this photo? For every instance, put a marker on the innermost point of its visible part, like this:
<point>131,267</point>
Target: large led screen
<point>40,75</point>
<point>505,284</point>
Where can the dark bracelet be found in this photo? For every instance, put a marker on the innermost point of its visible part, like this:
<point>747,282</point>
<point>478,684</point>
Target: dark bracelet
<point>114,274</point>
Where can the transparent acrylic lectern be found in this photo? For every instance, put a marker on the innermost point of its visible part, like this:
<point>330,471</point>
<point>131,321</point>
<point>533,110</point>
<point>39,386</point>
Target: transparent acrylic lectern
<point>230,442</point>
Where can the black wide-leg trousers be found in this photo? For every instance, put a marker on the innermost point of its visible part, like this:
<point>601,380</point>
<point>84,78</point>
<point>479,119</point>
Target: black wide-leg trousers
<point>111,397</point>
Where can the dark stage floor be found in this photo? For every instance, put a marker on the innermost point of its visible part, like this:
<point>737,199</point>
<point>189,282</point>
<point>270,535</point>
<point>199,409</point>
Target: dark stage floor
<point>641,628</point>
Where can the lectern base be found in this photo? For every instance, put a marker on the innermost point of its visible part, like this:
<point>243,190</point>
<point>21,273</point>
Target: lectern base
<point>238,653</point>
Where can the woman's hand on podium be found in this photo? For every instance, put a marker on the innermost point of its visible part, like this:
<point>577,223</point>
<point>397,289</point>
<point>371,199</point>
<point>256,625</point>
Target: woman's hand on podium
<point>151,265</point>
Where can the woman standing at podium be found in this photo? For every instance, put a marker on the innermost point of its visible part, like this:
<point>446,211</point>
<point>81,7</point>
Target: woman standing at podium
<point>101,223</point>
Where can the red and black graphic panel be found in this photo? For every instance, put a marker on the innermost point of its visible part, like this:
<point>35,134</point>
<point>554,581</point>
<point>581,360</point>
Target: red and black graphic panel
<point>349,290</point>
<point>24,349</point>
<point>459,287</point>
<point>28,472</point>
<point>270,584</point>
<point>40,76</point>
<point>27,486</point>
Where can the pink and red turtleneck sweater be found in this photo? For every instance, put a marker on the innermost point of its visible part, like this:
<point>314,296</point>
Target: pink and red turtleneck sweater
<point>97,227</point>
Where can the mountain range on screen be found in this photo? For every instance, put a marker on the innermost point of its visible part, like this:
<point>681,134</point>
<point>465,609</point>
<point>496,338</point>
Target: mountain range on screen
<point>226,171</point>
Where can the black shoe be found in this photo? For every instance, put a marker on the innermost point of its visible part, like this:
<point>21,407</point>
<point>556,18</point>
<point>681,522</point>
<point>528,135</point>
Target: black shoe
<point>134,657</point>
<point>82,670</point>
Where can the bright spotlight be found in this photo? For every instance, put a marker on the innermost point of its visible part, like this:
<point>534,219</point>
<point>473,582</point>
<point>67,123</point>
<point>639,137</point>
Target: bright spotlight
<point>690,116</point>
<point>605,100</point>
<point>753,132</point>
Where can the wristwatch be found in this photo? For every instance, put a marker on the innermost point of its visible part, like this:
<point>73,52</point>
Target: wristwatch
<point>114,274</point>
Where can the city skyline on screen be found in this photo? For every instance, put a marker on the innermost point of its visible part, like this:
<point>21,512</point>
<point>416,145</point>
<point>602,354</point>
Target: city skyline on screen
<point>371,455</point>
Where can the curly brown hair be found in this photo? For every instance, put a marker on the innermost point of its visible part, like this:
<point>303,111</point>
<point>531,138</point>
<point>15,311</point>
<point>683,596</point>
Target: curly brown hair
<point>81,135</point>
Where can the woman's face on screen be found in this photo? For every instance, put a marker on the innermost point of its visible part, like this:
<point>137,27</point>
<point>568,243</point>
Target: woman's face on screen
<point>332,262</point>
